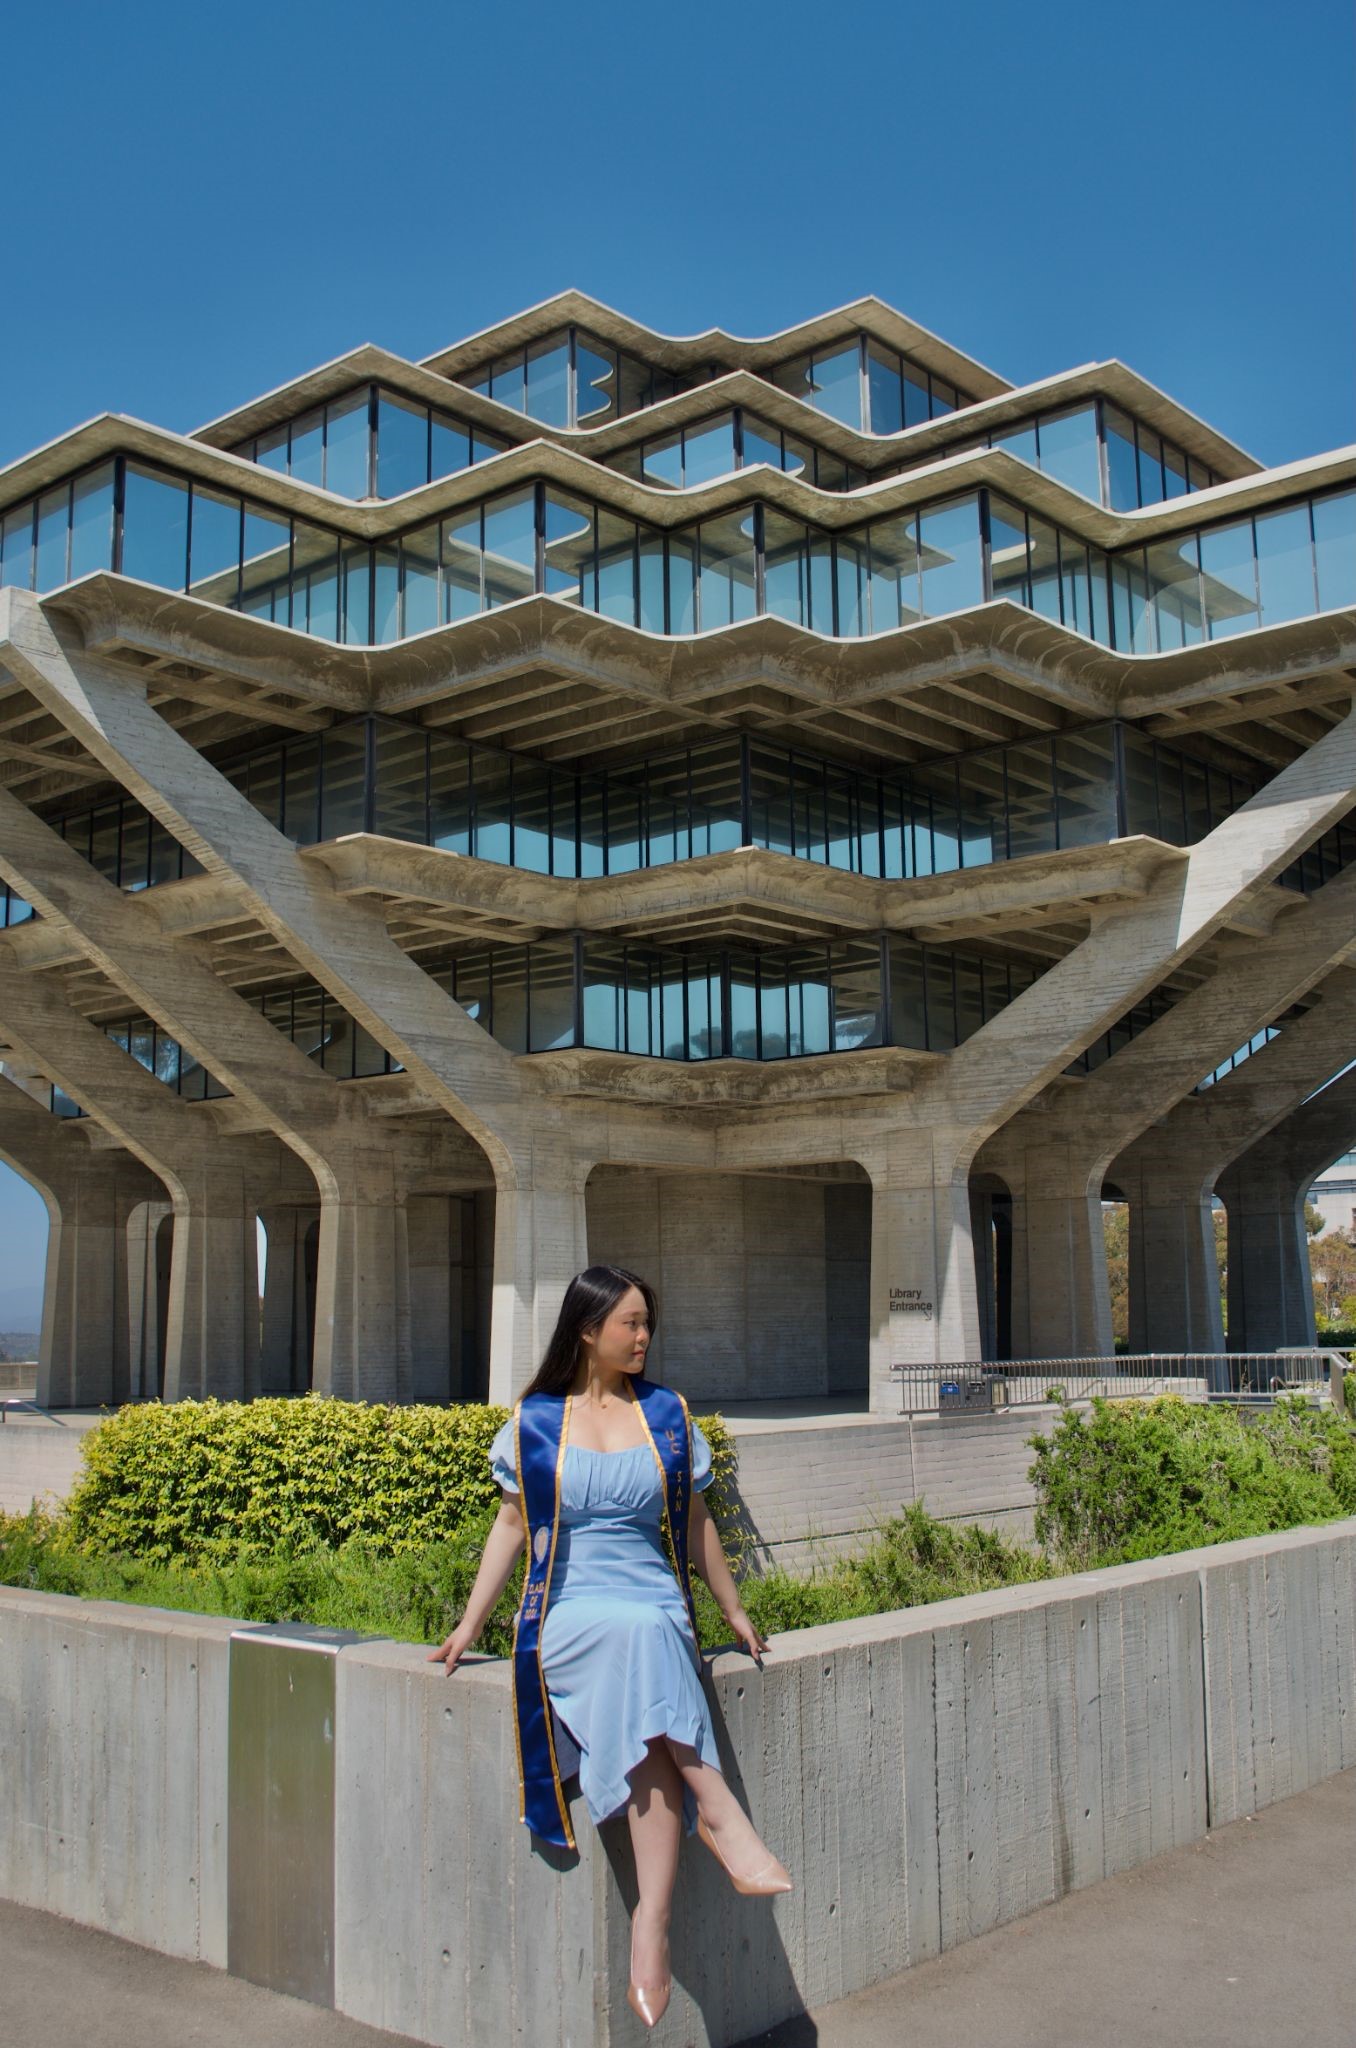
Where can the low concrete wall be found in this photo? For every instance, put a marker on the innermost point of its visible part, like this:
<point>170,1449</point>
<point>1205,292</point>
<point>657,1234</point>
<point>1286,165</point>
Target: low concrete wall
<point>818,1491</point>
<point>40,1457</point>
<point>926,1775</point>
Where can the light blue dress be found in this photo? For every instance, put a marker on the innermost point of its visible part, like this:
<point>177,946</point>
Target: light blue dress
<point>617,1650</point>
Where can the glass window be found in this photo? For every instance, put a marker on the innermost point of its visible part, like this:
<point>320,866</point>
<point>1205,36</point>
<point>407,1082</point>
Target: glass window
<point>214,547</point>
<point>1174,471</point>
<point>264,579</point>
<point>1075,598</point>
<point>451,447</point>
<point>1122,472</point>
<point>1031,799</point>
<point>983,808</point>
<point>1007,550</point>
<point>548,383</point>
<point>315,585</point>
<point>419,579</point>
<point>301,791</point>
<point>462,562</point>
<point>616,568</point>
<point>1044,595</point>
<point>908,1013</point>
<point>154,529</point>
<point>54,521</point>
<point>1130,596</point>
<point>595,384</point>
<point>1141,792</point>
<point>16,563</point>
<point>306,454</point>
<point>786,568</point>
<point>604,995</point>
<point>271,449</point>
<point>1285,565</point>
<point>1229,579</point>
<point>449,793</point>
<point>532,816</point>
<point>662,462</point>
<point>916,404</point>
<point>92,522</point>
<point>1335,547</point>
<point>893,548</point>
<point>708,450</point>
<point>728,570</point>
<point>507,381</point>
<point>1174,590</point>
<point>552,969</point>
<point>950,557</point>
<point>833,385</point>
<point>941,1000</point>
<point>1086,785</point>
<point>510,544</point>
<point>1069,453</point>
<point>761,443</point>
<point>347,446</point>
<point>944,398</point>
<point>1019,441</point>
<point>569,550</point>
<point>852,572</point>
<point>885,390</point>
<point>402,446</point>
<point>400,767</point>
<point>651,580</point>
<point>1151,489</point>
<point>682,584</point>
<point>492,785</point>
<point>385,595</point>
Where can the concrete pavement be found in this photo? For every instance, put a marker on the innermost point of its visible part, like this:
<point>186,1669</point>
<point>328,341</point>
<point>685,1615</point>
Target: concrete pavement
<point>1241,1941</point>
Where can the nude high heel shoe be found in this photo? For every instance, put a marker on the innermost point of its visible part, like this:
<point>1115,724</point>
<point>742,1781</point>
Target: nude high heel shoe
<point>773,1876</point>
<point>648,2006</point>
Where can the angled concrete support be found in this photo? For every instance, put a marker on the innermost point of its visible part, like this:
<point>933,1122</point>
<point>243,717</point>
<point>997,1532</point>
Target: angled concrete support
<point>1271,1303</point>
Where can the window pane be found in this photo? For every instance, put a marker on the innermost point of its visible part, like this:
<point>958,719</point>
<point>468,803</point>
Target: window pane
<point>1174,588</point>
<point>1044,568</point>
<point>916,407</point>
<point>1174,471</point>
<point>595,384</point>
<point>1130,591</point>
<point>682,584</point>
<point>347,439</point>
<point>449,794</point>
<point>92,522</point>
<point>569,549</point>
<point>452,449</point>
<point>651,582</point>
<point>16,564</point>
<point>266,547</point>
<point>983,815</point>
<point>548,383</point>
<point>214,561</point>
<point>1087,787</point>
<point>54,519</point>
<point>616,563</point>
<point>315,586</point>
<point>894,573</point>
<point>786,568</point>
<point>1141,795</point>
<point>708,450</point>
<point>461,567</point>
<point>402,446</point>
<point>419,575</point>
<point>1074,593</point>
<point>1069,450</point>
<point>552,969</point>
<point>908,1022</point>
<point>1007,550</point>
<point>400,764</point>
<point>154,529</point>
<point>1019,441</point>
<point>604,996</point>
<point>886,391</point>
<point>949,551</point>
<point>762,443</point>
<point>1031,799</point>
<point>1122,473</point>
<point>385,595</point>
<point>1285,565</point>
<point>662,462</point>
<point>835,386</point>
<point>1228,575</point>
<point>1335,541</point>
<point>510,549</point>
<point>301,791</point>
<point>307,458</point>
<point>1150,468</point>
<point>507,383</point>
<point>728,570</point>
<point>941,1000</point>
<point>271,449</point>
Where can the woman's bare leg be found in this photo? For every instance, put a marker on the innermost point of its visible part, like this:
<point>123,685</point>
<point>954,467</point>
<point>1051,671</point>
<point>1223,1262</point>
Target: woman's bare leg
<point>654,1813</point>
<point>731,1829</point>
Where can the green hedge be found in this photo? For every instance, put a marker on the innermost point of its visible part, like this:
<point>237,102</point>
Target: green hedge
<point>1138,1479</point>
<point>215,1481</point>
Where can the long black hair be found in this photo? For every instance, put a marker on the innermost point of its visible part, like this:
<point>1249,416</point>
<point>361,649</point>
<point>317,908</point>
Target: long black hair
<point>589,1300</point>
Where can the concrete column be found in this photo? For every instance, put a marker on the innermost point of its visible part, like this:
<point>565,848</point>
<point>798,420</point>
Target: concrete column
<point>91,1192</point>
<point>1263,1190</point>
<point>146,1284</point>
<point>1174,1273</point>
<point>540,1243</point>
<point>924,1302</point>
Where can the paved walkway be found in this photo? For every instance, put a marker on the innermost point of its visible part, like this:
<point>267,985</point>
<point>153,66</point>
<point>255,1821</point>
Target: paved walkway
<point>1243,1941</point>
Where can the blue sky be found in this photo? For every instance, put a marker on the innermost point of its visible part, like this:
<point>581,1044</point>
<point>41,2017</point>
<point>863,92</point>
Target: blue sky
<point>202,202</point>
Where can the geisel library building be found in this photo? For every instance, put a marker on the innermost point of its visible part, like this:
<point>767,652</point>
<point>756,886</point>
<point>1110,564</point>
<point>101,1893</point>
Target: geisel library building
<point>800,817</point>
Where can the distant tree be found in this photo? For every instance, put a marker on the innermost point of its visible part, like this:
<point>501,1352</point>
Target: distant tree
<point>1313,1222</point>
<point>1116,1232</point>
<point>1332,1271</point>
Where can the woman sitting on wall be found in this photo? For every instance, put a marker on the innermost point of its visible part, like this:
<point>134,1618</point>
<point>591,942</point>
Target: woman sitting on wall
<point>595,1464</point>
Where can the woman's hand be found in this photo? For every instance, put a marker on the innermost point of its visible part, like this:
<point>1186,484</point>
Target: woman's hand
<point>746,1634</point>
<point>450,1652</point>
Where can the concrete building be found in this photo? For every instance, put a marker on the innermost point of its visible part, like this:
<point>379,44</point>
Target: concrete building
<point>802,817</point>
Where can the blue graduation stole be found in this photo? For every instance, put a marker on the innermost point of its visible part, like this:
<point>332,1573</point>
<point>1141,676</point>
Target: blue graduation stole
<point>541,1427</point>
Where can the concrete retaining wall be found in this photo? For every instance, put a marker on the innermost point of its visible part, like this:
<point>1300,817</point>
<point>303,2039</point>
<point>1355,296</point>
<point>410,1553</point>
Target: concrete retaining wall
<point>926,1775</point>
<point>40,1458</point>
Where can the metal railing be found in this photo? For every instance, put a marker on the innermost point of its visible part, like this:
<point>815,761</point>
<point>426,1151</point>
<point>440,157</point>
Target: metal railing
<point>982,1386</point>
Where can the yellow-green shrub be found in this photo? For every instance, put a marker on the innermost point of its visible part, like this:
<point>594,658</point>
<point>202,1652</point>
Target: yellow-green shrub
<point>215,1480</point>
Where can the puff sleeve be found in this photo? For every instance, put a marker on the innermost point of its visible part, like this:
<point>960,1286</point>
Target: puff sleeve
<point>701,1459</point>
<point>501,1459</point>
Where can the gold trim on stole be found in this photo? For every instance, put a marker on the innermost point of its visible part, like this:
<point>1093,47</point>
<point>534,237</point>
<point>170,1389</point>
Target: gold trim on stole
<point>541,1623</point>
